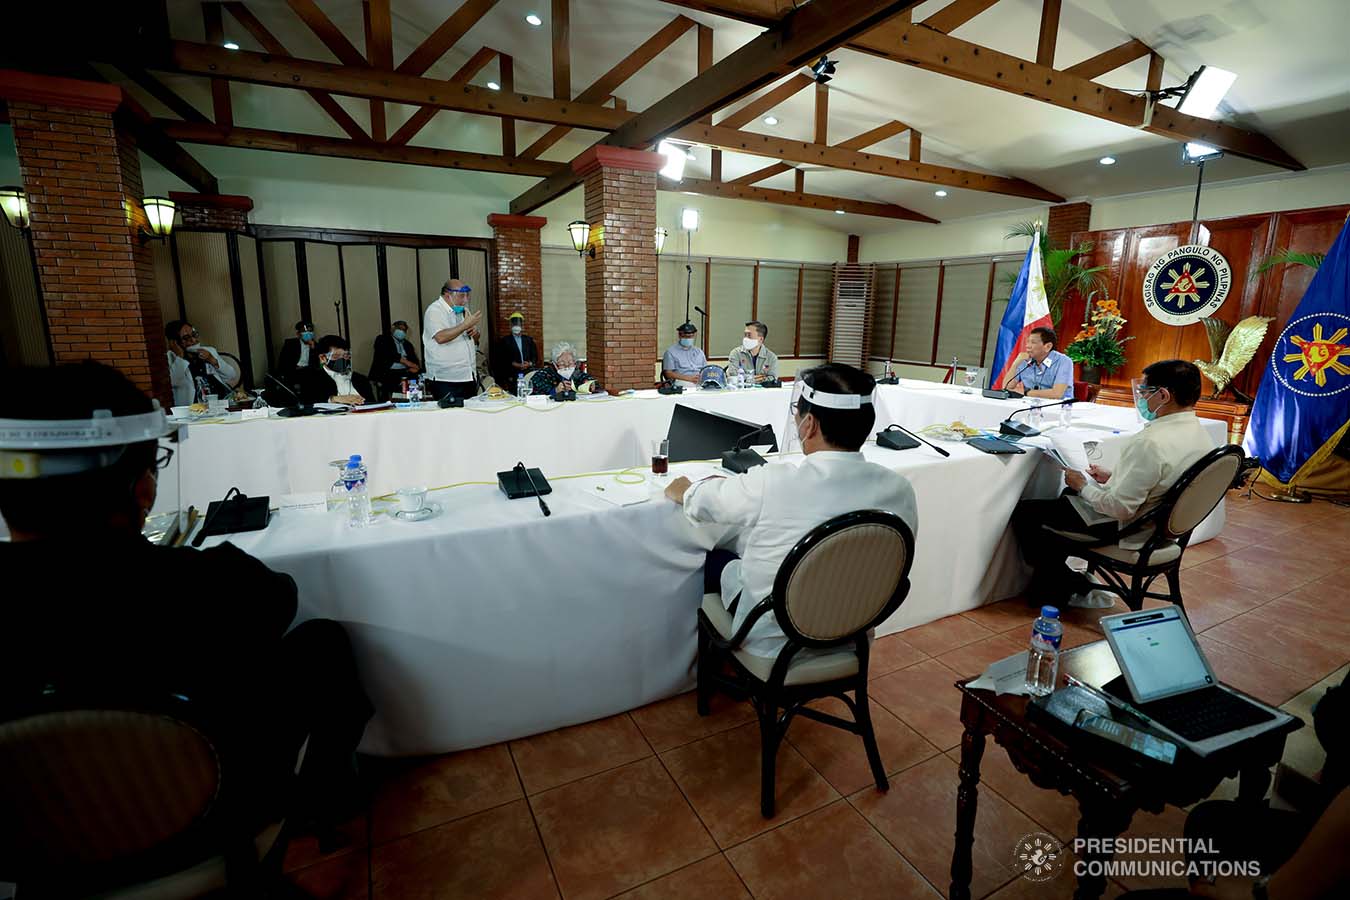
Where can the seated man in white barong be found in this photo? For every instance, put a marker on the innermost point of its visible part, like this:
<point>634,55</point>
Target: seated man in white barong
<point>775,506</point>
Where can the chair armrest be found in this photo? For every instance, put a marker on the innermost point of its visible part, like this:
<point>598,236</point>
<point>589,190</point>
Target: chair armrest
<point>738,637</point>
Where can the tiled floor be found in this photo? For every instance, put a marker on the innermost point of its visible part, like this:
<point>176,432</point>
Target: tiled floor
<point>660,803</point>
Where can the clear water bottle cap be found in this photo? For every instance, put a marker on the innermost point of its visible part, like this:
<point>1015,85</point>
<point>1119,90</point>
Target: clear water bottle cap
<point>1049,612</point>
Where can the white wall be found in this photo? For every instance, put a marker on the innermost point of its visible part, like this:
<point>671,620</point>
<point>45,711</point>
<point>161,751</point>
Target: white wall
<point>975,236</point>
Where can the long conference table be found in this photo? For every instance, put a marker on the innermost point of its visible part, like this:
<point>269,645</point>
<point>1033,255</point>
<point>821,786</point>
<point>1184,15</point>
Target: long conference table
<point>489,622</point>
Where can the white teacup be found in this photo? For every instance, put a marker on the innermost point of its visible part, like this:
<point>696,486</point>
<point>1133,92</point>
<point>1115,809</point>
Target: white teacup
<point>412,499</point>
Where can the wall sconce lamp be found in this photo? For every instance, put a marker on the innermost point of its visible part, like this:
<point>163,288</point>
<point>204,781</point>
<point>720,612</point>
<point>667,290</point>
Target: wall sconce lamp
<point>15,206</point>
<point>581,238</point>
<point>661,235</point>
<point>159,212</point>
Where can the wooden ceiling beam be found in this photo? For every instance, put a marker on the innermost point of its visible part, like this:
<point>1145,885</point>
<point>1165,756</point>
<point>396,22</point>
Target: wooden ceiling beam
<point>418,120</point>
<point>163,93</point>
<point>445,37</point>
<point>857,142</point>
<point>802,35</point>
<point>562,50</point>
<point>272,45</point>
<point>316,145</point>
<point>795,198</point>
<point>606,84</point>
<point>1109,60</point>
<point>156,143</point>
<point>302,74</point>
<point>330,34</point>
<point>924,48</point>
<point>221,108</point>
<point>380,55</point>
<point>1155,72</point>
<point>915,145</point>
<point>956,14</point>
<point>767,101</point>
<point>1049,36</point>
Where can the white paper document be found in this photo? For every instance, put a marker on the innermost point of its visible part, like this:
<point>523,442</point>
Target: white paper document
<point>619,494</point>
<point>1007,676</point>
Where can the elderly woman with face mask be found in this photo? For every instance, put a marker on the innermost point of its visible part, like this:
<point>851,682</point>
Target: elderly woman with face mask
<point>562,374</point>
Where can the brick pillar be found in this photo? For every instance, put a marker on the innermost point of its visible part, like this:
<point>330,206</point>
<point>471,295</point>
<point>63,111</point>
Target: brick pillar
<point>1065,219</point>
<point>83,179</point>
<point>621,335</point>
<point>519,275</point>
<point>228,212</point>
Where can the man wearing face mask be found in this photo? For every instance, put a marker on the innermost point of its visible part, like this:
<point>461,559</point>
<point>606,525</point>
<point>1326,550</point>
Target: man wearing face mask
<point>449,331</point>
<point>513,355</point>
<point>758,361</point>
<point>1150,462</point>
<point>683,361</point>
<point>395,359</point>
<point>773,507</point>
<point>333,381</point>
<point>202,361</point>
<point>298,352</point>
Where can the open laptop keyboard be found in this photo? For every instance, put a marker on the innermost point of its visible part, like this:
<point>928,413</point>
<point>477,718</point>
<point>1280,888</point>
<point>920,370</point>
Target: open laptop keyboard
<point>1197,715</point>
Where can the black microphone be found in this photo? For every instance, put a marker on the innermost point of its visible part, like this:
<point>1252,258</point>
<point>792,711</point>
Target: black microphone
<point>301,408</point>
<point>901,428</point>
<point>1018,372</point>
<point>520,467</point>
<point>1009,427</point>
<point>201,535</point>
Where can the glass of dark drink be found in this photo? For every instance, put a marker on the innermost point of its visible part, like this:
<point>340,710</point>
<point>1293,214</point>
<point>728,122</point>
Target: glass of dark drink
<point>660,457</point>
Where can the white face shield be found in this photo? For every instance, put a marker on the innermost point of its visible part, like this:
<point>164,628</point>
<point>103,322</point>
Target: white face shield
<point>803,391</point>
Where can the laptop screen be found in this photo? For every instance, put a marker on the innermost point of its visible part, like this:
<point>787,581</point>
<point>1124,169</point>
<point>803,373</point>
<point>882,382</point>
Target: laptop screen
<point>1156,652</point>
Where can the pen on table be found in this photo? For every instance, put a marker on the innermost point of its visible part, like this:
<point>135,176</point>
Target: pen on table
<point>1110,700</point>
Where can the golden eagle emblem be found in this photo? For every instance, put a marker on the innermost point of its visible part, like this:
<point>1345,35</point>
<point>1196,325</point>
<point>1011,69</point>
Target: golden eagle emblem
<point>1231,348</point>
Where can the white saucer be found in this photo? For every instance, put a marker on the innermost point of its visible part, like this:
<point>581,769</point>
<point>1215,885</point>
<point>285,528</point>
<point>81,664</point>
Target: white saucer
<point>429,511</point>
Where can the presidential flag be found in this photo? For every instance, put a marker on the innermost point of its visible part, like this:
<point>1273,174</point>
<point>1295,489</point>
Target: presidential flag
<point>1028,308</point>
<point>1302,408</point>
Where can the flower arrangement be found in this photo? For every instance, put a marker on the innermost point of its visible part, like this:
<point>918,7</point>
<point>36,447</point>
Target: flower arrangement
<point>1099,344</point>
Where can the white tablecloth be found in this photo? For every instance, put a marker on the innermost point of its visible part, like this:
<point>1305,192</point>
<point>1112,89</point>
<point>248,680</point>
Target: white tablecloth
<point>490,622</point>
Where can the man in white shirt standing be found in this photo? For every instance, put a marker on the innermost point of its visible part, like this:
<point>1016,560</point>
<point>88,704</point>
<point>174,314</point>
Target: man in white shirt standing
<point>775,506</point>
<point>1151,461</point>
<point>449,331</point>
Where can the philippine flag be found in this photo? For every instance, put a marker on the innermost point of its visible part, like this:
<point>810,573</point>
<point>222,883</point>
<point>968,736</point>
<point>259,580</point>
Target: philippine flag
<point>1028,308</point>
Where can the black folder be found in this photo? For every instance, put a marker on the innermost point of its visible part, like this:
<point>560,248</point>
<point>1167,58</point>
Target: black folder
<point>239,514</point>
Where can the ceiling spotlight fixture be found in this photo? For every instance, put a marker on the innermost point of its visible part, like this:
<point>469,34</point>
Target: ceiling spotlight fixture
<point>230,45</point>
<point>1199,96</point>
<point>1107,161</point>
<point>939,193</point>
<point>534,20</point>
<point>838,212</point>
<point>689,154</point>
<point>770,120</point>
<point>493,86</point>
<point>823,70</point>
<point>676,156</point>
<point>1197,154</point>
<point>689,219</point>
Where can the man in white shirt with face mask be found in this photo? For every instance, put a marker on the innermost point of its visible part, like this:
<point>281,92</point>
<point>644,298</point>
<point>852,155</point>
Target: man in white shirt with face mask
<point>449,330</point>
<point>776,505</point>
<point>189,359</point>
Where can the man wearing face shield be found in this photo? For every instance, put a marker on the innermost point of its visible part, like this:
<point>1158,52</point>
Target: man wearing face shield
<point>79,457</point>
<point>298,352</point>
<point>333,381</point>
<point>1150,463</point>
<point>773,507</point>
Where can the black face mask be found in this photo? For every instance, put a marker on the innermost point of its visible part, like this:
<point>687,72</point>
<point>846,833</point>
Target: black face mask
<point>340,366</point>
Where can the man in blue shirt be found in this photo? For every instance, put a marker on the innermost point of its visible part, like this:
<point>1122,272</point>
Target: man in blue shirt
<point>682,360</point>
<point>1040,370</point>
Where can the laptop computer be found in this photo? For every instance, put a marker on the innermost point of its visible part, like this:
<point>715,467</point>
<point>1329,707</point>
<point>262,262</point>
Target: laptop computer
<point>1170,681</point>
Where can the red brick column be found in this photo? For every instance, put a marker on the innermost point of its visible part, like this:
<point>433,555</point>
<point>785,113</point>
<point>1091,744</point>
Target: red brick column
<point>621,281</point>
<point>519,274</point>
<point>83,180</point>
<point>1065,219</point>
<point>228,212</point>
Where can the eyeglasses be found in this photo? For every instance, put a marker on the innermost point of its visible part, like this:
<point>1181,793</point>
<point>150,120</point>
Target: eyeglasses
<point>162,458</point>
<point>191,334</point>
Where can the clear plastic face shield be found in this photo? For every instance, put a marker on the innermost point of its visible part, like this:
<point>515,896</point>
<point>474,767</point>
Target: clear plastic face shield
<point>790,441</point>
<point>52,448</point>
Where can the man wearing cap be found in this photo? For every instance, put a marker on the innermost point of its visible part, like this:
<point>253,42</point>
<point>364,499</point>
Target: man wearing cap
<point>772,507</point>
<point>682,360</point>
<point>514,354</point>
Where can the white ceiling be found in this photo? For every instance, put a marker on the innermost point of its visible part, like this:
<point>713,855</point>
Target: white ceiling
<point>1293,85</point>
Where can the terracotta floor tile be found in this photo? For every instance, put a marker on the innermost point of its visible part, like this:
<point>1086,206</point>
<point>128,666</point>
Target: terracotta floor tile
<point>918,816</point>
<point>1279,517</point>
<point>1004,615</point>
<point>972,659</point>
<point>1316,609</point>
<point>945,634</point>
<point>303,850</point>
<point>720,776</point>
<point>1265,569</point>
<point>557,757</point>
<point>833,852</point>
<point>341,877</point>
<point>1315,544</point>
<point>712,878</point>
<point>1270,639</point>
<point>1235,536</point>
<point>924,698</point>
<point>1087,618</point>
<point>890,653</point>
<point>1262,679</point>
<point>493,855</point>
<point>1052,811</point>
<point>619,829</point>
<point>425,793</point>
<point>1170,823</point>
<point>674,721</point>
<point>1200,583</point>
<point>1060,887</point>
<point>839,756</point>
<point>1075,635</point>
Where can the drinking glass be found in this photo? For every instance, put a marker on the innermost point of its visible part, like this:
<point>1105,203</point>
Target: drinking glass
<point>972,376</point>
<point>660,457</point>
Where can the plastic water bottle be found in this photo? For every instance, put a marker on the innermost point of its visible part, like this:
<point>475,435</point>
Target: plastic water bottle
<point>358,495</point>
<point>1066,415</point>
<point>522,387</point>
<point>743,380</point>
<point>1043,652</point>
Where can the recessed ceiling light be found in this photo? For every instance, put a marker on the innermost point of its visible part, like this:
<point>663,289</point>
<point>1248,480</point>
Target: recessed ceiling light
<point>939,193</point>
<point>838,212</point>
<point>770,120</point>
<point>494,86</point>
<point>534,20</point>
<point>1107,161</point>
<point>230,45</point>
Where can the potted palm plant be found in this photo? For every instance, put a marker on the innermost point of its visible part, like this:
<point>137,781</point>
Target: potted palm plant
<point>1098,345</point>
<point>1062,273</point>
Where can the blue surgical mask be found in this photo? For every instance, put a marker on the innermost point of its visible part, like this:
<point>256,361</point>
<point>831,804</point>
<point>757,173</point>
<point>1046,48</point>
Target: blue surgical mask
<point>400,334</point>
<point>686,342</point>
<point>459,310</point>
<point>1141,404</point>
<point>306,336</point>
